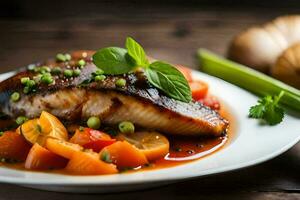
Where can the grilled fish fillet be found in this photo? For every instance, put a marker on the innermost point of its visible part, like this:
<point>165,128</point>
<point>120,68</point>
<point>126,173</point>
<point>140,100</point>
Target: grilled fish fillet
<point>76,99</point>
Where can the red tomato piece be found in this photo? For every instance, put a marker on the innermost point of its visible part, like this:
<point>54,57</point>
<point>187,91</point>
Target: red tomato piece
<point>187,73</point>
<point>92,139</point>
<point>98,145</point>
<point>199,89</point>
<point>211,102</point>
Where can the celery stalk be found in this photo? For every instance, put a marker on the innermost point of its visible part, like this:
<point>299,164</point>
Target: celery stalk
<point>247,78</point>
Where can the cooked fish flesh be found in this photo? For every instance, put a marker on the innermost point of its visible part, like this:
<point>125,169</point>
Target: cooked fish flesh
<point>77,98</point>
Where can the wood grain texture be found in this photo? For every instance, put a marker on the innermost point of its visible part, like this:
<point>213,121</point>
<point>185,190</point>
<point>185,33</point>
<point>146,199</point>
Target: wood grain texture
<point>172,32</point>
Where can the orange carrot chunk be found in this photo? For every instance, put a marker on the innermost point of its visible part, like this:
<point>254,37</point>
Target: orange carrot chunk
<point>40,158</point>
<point>88,163</point>
<point>62,148</point>
<point>124,155</point>
<point>13,146</point>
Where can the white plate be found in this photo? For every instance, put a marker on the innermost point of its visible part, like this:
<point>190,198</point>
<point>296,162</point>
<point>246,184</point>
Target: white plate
<point>252,144</point>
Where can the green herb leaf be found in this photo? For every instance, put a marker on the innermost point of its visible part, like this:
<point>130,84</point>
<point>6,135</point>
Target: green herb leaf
<point>170,80</point>
<point>105,156</point>
<point>268,109</point>
<point>113,60</point>
<point>136,51</point>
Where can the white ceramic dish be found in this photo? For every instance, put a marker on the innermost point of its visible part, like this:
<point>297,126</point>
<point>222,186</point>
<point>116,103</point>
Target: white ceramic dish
<point>252,144</point>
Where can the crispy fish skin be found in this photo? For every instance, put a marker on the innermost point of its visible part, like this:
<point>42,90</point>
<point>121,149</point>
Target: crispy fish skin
<point>138,101</point>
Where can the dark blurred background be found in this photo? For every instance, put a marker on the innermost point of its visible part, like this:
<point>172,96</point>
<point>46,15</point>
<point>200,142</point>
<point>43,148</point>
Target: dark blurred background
<point>169,30</point>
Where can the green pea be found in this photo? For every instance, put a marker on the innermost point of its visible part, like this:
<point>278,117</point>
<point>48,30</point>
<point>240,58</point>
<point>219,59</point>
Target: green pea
<point>56,70</point>
<point>47,78</point>
<point>21,120</point>
<point>24,80</point>
<point>126,127</point>
<point>81,62</point>
<point>121,82</point>
<point>68,57</point>
<point>1,133</point>
<point>100,77</point>
<point>94,122</point>
<point>60,57</point>
<point>76,72</point>
<point>105,156</point>
<point>15,96</point>
<point>68,73</point>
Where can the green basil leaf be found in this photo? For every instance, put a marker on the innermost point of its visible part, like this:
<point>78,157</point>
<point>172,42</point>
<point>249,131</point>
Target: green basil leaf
<point>170,80</point>
<point>113,60</point>
<point>136,51</point>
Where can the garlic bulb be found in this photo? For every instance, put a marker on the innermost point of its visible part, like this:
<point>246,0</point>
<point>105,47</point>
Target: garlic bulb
<point>287,66</point>
<point>259,47</point>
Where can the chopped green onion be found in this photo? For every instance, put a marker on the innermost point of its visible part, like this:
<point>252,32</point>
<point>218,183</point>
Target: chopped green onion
<point>26,90</point>
<point>21,120</point>
<point>68,73</point>
<point>76,72</point>
<point>248,78</point>
<point>60,57</point>
<point>121,82</point>
<point>126,127</point>
<point>81,62</point>
<point>56,70</point>
<point>105,156</point>
<point>44,69</point>
<point>47,79</point>
<point>94,122</point>
<point>30,83</point>
<point>100,77</point>
<point>81,128</point>
<point>68,57</point>
<point>24,80</point>
<point>15,96</point>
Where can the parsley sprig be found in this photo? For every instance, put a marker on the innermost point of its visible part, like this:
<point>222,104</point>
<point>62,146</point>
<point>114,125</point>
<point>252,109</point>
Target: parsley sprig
<point>268,109</point>
<point>162,75</point>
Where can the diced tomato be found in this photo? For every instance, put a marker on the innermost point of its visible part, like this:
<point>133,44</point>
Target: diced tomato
<point>98,145</point>
<point>187,73</point>
<point>199,89</point>
<point>92,139</point>
<point>211,102</point>
<point>13,146</point>
<point>40,158</point>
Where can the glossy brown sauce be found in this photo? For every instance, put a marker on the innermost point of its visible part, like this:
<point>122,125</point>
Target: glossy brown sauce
<point>182,149</point>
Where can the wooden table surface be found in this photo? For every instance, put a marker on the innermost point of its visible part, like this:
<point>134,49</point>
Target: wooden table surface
<point>171,33</point>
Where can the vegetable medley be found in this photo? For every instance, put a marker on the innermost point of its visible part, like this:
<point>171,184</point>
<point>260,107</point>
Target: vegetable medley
<point>45,143</point>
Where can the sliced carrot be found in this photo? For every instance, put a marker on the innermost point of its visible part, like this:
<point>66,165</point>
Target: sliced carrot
<point>13,146</point>
<point>62,148</point>
<point>187,73</point>
<point>40,158</point>
<point>124,155</point>
<point>88,163</point>
<point>199,89</point>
